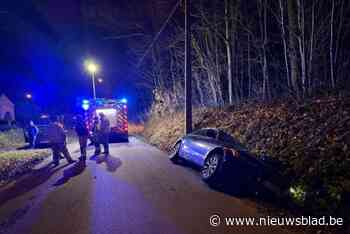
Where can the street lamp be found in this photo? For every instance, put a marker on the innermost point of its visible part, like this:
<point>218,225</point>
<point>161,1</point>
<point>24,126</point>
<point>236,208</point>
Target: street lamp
<point>100,80</point>
<point>92,68</point>
<point>28,96</point>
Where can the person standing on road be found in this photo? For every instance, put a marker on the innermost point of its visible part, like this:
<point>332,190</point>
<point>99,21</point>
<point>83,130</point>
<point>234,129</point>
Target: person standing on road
<point>103,134</point>
<point>83,135</point>
<point>57,137</point>
<point>95,135</point>
<point>33,132</point>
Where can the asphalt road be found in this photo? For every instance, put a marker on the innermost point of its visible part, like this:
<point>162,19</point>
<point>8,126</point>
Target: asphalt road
<point>135,191</point>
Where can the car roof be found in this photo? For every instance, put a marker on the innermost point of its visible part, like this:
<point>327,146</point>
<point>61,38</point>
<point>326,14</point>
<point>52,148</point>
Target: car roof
<point>216,129</point>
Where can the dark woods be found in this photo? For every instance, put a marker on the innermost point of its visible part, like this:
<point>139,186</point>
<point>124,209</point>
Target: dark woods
<point>256,49</point>
<point>241,50</point>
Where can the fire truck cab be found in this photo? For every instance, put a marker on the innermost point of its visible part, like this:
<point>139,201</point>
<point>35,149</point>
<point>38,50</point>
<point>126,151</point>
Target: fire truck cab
<point>115,111</point>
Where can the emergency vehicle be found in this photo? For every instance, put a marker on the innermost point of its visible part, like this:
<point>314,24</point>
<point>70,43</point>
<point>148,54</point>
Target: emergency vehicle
<point>115,111</point>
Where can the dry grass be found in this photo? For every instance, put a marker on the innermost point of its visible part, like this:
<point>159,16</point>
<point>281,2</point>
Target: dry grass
<point>136,128</point>
<point>11,139</point>
<point>18,162</point>
<point>163,131</point>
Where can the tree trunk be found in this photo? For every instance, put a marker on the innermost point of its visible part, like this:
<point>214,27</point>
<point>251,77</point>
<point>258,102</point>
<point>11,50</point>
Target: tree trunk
<point>285,47</point>
<point>331,58</point>
<point>339,39</point>
<point>293,33</point>
<point>234,18</point>
<point>301,42</point>
<point>196,77</point>
<point>228,52</point>
<point>249,70</point>
<point>310,78</point>
<point>263,29</point>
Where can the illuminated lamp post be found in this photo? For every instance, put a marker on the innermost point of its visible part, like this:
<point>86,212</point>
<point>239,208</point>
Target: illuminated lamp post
<point>28,96</point>
<point>92,68</point>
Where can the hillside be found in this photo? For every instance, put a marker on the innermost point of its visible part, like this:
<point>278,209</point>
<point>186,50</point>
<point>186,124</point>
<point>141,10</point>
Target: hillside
<point>312,139</point>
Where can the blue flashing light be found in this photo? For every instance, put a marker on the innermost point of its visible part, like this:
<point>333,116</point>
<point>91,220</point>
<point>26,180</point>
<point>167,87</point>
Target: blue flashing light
<point>85,104</point>
<point>124,100</point>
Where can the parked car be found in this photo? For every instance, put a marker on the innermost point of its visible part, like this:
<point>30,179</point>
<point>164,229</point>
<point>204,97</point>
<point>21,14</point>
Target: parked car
<point>5,126</point>
<point>222,159</point>
<point>43,124</point>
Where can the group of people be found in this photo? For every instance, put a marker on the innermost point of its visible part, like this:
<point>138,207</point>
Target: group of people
<point>99,135</point>
<point>57,137</point>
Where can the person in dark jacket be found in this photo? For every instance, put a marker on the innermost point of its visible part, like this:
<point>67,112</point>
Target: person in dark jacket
<point>83,135</point>
<point>57,137</point>
<point>33,132</point>
<point>102,131</point>
<point>105,130</point>
<point>95,135</point>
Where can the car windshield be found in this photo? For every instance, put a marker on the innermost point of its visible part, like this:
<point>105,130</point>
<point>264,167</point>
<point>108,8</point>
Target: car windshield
<point>211,133</point>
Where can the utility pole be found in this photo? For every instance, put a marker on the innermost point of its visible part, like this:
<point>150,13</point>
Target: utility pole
<point>93,84</point>
<point>188,70</point>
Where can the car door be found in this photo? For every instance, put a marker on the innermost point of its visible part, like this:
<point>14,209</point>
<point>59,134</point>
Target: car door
<point>189,146</point>
<point>185,149</point>
<point>201,144</point>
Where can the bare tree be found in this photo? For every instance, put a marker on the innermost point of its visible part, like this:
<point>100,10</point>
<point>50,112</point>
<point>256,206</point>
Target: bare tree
<point>293,33</point>
<point>331,57</point>
<point>284,40</point>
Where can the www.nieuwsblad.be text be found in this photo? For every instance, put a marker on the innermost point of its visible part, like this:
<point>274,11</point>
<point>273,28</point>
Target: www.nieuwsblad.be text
<point>217,220</point>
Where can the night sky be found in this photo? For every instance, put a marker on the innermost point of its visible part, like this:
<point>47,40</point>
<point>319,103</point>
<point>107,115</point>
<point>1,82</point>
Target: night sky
<point>44,45</point>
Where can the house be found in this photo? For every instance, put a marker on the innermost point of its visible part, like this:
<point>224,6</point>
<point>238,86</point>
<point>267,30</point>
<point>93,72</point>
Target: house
<point>7,108</point>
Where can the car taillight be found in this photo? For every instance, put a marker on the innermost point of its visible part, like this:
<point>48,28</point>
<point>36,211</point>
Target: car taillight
<point>231,152</point>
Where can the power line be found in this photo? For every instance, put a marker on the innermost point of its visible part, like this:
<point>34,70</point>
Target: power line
<point>160,31</point>
<point>124,36</point>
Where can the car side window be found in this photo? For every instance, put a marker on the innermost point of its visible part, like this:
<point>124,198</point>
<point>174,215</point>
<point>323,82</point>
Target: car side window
<point>211,133</point>
<point>200,132</point>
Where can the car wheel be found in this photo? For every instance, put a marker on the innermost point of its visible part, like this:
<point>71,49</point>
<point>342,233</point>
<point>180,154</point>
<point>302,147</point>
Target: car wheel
<point>211,170</point>
<point>174,154</point>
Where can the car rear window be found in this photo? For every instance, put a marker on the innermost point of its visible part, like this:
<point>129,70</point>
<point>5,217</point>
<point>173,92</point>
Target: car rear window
<point>224,137</point>
<point>200,132</point>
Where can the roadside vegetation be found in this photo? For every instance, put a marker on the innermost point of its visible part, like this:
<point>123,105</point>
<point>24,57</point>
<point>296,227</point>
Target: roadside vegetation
<point>18,162</point>
<point>13,138</point>
<point>135,128</point>
<point>312,139</point>
<point>14,162</point>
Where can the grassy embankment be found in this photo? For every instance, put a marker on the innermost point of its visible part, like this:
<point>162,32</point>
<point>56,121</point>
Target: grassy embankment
<point>15,162</point>
<point>312,138</point>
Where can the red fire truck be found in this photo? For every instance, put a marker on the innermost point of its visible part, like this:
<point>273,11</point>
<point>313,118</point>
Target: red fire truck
<point>114,110</point>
